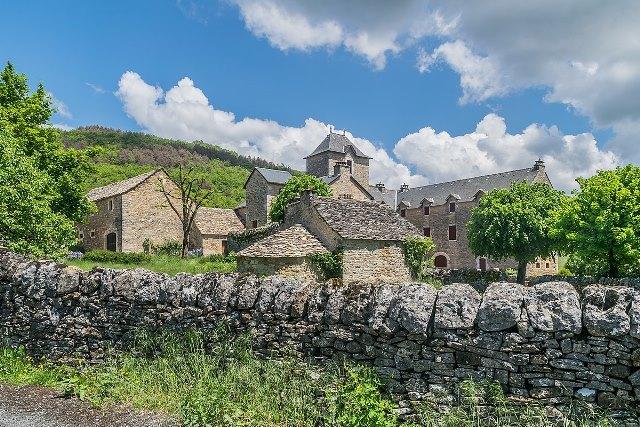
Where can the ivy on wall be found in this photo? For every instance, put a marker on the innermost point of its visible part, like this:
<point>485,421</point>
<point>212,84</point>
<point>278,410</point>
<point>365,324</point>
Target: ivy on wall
<point>329,264</point>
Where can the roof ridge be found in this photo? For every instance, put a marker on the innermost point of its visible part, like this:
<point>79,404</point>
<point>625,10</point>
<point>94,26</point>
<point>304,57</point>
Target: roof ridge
<point>471,177</point>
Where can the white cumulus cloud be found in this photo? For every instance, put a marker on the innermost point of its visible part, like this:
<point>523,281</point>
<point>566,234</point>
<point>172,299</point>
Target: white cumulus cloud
<point>184,112</point>
<point>584,53</point>
<point>490,149</point>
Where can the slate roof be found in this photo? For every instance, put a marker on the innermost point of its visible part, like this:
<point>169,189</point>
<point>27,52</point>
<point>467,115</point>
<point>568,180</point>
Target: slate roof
<point>295,241</point>
<point>465,189</point>
<point>217,221</point>
<point>337,143</point>
<point>387,195</point>
<point>119,187</point>
<point>273,176</point>
<point>363,220</point>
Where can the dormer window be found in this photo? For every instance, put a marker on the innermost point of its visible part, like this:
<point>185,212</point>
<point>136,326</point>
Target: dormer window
<point>452,207</point>
<point>403,213</point>
<point>426,210</point>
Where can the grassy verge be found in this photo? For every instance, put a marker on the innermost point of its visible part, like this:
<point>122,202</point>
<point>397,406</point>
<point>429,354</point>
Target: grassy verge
<point>168,264</point>
<point>226,384</point>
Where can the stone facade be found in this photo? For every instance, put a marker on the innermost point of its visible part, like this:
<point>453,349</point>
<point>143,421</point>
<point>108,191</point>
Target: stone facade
<point>107,219</point>
<point>434,217</point>
<point>259,194</point>
<point>147,215</point>
<point>547,343</point>
<point>324,164</point>
<point>128,212</point>
<point>299,268</point>
<point>366,261</point>
<point>346,186</point>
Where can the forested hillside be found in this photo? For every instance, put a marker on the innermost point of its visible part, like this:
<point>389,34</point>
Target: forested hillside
<point>117,155</point>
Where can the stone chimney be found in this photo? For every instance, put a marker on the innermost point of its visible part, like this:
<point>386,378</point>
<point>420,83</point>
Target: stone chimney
<point>404,187</point>
<point>341,167</point>
<point>538,165</point>
<point>380,186</point>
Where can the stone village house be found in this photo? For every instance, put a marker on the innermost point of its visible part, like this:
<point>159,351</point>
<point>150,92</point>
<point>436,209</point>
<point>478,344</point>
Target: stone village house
<point>134,210</point>
<point>439,211</point>
<point>369,234</point>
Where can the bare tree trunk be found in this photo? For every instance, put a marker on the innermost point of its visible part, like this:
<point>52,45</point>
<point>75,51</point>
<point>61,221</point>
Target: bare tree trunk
<point>522,272</point>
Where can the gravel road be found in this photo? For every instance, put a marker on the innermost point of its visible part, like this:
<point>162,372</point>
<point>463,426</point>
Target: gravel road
<point>40,407</point>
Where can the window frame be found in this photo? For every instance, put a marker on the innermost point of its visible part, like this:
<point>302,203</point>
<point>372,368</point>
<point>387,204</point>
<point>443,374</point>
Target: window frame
<point>452,207</point>
<point>455,233</point>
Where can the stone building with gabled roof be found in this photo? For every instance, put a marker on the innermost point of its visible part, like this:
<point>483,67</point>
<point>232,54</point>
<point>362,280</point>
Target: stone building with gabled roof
<point>128,213</point>
<point>369,234</point>
<point>287,252</point>
<point>134,210</point>
<point>212,227</point>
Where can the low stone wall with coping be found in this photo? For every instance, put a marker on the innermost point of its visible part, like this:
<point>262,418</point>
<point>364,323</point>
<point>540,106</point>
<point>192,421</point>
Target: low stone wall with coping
<point>546,342</point>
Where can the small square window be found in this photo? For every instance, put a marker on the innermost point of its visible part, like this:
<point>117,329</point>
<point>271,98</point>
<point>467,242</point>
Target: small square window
<point>403,213</point>
<point>427,231</point>
<point>547,265</point>
<point>452,207</point>
<point>453,233</point>
<point>81,235</point>
<point>537,265</point>
<point>426,210</point>
<point>254,223</point>
<point>93,233</point>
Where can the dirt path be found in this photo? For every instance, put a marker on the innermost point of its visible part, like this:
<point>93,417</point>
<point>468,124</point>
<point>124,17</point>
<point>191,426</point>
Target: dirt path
<point>40,407</point>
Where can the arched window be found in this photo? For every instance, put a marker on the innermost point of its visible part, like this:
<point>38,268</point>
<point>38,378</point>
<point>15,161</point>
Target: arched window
<point>440,261</point>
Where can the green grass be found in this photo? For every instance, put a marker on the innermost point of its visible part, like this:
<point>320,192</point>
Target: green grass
<point>168,264</point>
<point>224,383</point>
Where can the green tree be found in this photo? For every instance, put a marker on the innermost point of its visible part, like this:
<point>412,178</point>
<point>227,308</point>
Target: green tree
<point>600,224</point>
<point>292,190</point>
<point>25,116</point>
<point>27,221</point>
<point>515,223</point>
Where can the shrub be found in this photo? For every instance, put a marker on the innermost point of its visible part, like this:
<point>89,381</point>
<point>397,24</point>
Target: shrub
<point>168,247</point>
<point>358,401</point>
<point>415,254</point>
<point>103,256</point>
<point>329,264</point>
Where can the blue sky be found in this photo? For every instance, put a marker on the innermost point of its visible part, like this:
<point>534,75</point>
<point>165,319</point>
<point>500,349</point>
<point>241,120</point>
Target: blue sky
<point>239,57</point>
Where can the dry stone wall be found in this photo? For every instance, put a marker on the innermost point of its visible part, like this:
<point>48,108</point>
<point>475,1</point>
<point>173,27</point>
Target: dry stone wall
<point>547,342</point>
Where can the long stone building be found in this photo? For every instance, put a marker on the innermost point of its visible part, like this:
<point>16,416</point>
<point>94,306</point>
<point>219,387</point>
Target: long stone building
<point>440,211</point>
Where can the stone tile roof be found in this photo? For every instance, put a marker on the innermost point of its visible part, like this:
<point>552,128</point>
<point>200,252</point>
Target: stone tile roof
<point>274,176</point>
<point>386,195</point>
<point>295,241</point>
<point>363,220</point>
<point>465,189</point>
<point>119,187</point>
<point>337,143</point>
<point>217,221</point>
